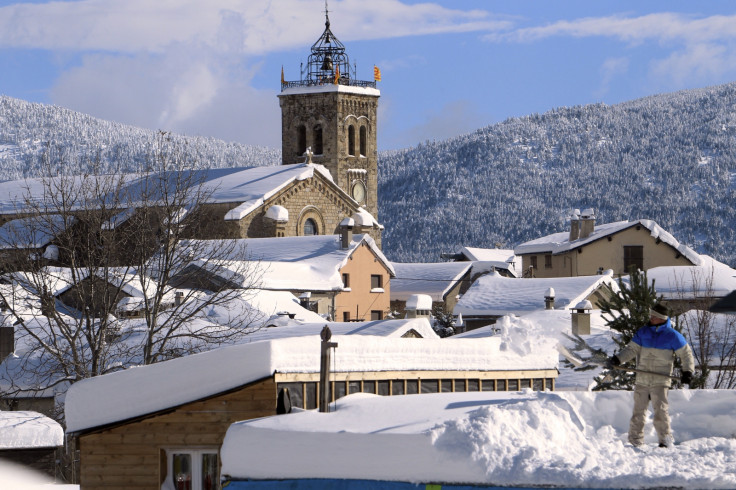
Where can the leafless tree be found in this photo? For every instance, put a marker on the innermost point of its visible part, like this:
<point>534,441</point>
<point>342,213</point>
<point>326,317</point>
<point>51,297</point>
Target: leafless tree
<point>70,299</point>
<point>711,335</point>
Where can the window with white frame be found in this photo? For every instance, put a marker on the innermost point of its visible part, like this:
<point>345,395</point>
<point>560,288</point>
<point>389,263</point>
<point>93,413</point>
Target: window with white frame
<point>192,469</point>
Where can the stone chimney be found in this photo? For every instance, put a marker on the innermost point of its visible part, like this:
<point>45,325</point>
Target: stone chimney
<point>346,232</point>
<point>574,225</point>
<point>587,223</point>
<point>581,318</point>
<point>549,299</point>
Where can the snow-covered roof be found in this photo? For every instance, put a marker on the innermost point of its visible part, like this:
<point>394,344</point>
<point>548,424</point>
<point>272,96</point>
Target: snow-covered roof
<point>27,232</point>
<point>494,257</point>
<point>434,279</point>
<point>494,294</point>
<point>379,328</point>
<point>710,278</point>
<point>514,439</point>
<point>558,243</point>
<point>309,263</point>
<point>248,186</point>
<point>253,186</point>
<point>124,278</point>
<point>29,430</point>
<point>144,390</point>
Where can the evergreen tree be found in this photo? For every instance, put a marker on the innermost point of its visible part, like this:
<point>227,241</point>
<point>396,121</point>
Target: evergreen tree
<point>625,312</point>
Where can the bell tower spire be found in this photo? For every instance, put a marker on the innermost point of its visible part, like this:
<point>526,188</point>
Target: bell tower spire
<point>334,113</point>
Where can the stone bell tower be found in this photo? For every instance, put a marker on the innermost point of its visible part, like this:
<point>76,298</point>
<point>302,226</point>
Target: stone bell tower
<point>331,112</point>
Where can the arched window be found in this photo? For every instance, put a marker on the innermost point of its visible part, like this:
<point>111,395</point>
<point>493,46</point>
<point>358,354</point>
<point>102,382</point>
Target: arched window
<point>301,138</point>
<point>310,227</point>
<point>363,141</point>
<point>351,140</point>
<point>317,140</point>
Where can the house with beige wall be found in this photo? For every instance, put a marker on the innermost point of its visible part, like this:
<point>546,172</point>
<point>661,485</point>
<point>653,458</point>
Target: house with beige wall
<point>342,277</point>
<point>589,249</point>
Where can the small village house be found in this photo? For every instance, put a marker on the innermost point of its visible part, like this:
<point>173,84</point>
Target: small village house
<point>153,426</point>
<point>493,296</point>
<point>343,277</point>
<point>590,249</point>
<point>444,282</point>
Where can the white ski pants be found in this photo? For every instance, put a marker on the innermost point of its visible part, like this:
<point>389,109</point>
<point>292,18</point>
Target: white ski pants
<point>660,407</point>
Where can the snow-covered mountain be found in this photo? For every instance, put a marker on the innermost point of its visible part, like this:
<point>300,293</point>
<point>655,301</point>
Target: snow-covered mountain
<point>28,129</point>
<point>669,157</point>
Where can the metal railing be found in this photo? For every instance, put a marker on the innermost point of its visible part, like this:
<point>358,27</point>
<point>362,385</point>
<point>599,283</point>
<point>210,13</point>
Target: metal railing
<point>328,81</point>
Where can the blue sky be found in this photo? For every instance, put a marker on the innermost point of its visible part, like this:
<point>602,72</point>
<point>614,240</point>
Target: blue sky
<point>212,67</point>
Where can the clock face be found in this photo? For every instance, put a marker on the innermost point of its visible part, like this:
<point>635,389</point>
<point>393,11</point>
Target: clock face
<point>359,192</point>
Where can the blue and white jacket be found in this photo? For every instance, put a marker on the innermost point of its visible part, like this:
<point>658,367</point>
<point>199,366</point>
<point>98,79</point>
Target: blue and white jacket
<point>655,348</point>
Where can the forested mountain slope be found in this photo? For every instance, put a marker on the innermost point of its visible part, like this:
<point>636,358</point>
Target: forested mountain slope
<point>670,157</point>
<point>27,129</point>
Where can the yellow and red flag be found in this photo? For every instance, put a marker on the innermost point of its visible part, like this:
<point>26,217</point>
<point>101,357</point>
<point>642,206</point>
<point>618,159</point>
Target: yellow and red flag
<point>337,74</point>
<point>282,75</point>
<point>376,73</point>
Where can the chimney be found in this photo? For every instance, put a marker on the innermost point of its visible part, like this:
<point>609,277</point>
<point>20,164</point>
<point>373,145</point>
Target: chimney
<point>549,299</point>
<point>346,232</point>
<point>581,318</point>
<point>587,223</point>
<point>304,299</point>
<point>7,336</point>
<point>574,225</point>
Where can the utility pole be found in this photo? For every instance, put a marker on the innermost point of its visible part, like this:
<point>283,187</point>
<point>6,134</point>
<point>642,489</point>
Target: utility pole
<point>324,369</point>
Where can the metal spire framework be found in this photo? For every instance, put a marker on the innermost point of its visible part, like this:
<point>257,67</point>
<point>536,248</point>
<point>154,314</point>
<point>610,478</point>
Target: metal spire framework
<point>328,63</point>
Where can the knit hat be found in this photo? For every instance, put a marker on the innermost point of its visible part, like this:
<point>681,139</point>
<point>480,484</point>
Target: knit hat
<point>659,311</point>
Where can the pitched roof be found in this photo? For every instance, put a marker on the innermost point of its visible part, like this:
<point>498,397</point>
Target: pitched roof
<point>248,186</point>
<point>434,279</point>
<point>494,294</point>
<point>558,243</point>
<point>710,278</point>
<point>310,263</point>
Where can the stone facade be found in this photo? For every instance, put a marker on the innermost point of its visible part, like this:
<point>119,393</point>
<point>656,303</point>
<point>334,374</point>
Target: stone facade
<point>316,198</point>
<point>339,125</point>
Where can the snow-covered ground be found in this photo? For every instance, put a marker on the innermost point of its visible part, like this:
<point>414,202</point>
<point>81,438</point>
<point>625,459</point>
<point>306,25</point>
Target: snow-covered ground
<point>569,439</point>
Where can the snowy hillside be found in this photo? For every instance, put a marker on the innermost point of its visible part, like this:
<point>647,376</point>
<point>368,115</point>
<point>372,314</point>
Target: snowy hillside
<point>28,129</point>
<point>670,158</point>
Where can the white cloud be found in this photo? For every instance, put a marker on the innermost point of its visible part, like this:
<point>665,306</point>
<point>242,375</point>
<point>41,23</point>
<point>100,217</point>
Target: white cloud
<point>661,27</point>
<point>610,69</point>
<point>250,26</point>
<point>698,48</point>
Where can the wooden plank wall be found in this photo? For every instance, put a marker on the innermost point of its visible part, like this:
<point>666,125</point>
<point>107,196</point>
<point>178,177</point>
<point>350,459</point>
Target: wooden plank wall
<point>130,456</point>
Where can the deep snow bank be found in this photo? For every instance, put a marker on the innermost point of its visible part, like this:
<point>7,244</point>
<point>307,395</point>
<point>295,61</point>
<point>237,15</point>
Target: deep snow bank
<point>523,438</point>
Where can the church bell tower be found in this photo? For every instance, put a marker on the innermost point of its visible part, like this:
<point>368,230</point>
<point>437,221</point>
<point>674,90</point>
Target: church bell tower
<point>333,114</point>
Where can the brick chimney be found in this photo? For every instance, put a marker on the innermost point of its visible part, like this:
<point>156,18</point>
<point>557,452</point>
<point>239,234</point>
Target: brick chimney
<point>587,223</point>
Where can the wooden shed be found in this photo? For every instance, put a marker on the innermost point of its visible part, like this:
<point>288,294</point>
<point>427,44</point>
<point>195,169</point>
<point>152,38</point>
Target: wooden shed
<point>161,426</point>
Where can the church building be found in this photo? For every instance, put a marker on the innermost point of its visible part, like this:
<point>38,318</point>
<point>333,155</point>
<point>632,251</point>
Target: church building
<point>331,115</point>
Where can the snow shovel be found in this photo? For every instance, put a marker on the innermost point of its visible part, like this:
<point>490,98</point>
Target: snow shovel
<point>577,362</point>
